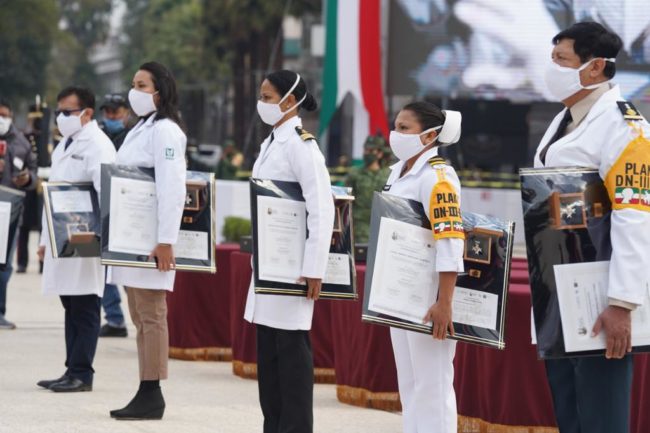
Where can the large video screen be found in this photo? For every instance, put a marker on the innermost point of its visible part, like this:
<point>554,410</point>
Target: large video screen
<point>498,49</point>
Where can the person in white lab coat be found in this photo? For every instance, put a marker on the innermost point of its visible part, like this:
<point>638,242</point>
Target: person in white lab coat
<point>78,281</point>
<point>599,130</point>
<point>425,371</point>
<point>157,141</point>
<point>285,367</point>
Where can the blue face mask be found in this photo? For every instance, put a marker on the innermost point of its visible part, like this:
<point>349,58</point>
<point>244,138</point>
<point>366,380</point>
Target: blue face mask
<point>113,126</point>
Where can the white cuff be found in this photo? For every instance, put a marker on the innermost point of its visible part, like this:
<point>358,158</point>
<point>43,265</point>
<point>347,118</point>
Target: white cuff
<point>449,264</point>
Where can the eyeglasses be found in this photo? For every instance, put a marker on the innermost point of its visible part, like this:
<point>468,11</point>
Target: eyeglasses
<point>66,113</point>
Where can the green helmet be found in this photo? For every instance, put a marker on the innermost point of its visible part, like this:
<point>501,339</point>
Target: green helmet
<point>377,142</point>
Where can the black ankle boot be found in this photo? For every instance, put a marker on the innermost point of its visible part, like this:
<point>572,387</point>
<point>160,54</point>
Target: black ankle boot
<point>147,404</point>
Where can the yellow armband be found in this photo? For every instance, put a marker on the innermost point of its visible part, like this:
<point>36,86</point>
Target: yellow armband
<point>628,180</point>
<point>444,210</point>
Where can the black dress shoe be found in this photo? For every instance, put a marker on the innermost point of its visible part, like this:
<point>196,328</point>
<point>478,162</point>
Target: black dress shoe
<point>21,270</point>
<point>112,331</point>
<point>146,405</point>
<point>47,383</point>
<point>70,384</point>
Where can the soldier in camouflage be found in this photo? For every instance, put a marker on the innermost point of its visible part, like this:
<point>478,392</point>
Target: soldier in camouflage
<point>365,181</point>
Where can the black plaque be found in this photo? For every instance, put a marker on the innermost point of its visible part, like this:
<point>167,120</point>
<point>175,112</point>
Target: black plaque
<point>487,266</point>
<point>198,216</point>
<point>342,241</point>
<point>567,215</point>
<point>72,234</point>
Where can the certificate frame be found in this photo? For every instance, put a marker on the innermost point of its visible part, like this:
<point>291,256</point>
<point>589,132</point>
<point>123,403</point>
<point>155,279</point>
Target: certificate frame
<point>199,219</point>
<point>548,246</point>
<point>15,198</point>
<point>65,241</point>
<point>342,241</point>
<point>491,279</point>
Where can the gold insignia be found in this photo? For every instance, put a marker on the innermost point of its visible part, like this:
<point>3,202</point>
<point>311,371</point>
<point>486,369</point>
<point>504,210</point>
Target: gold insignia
<point>304,135</point>
<point>437,160</point>
<point>629,111</point>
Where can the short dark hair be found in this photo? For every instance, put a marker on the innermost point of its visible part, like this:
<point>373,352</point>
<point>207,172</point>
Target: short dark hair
<point>86,96</point>
<point>5,103</point>
<point>428,114</point>
<point>165,84</point>
<point>592,40</point>
<point>283,81</point>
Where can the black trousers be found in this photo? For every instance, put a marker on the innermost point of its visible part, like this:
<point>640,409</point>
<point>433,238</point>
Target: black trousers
<point>22,249</point>
<point>82,320</point>
<point>592,394</point>
<point>285,374</point>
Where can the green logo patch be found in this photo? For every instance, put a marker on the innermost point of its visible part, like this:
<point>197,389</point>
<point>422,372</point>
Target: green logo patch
<point>169,153</point>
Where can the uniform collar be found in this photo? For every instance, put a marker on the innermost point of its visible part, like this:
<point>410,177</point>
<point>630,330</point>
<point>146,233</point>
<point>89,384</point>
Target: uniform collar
<point>85,130</point>
<point>283,132</point>
<point>581,108</point>
<point>419,163</point>
<point>147,121</point>
<point>604,102</point>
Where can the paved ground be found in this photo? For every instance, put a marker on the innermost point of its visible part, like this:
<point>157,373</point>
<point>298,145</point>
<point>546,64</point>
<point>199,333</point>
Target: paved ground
<point>201,396</point>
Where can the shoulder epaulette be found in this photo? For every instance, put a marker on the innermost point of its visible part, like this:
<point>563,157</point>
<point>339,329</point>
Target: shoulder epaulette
<point>304,135</point>
<point>437,160</point>
<point>629,111</point>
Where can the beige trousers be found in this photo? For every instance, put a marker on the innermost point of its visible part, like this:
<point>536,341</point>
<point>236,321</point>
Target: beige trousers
<point>148,310</point>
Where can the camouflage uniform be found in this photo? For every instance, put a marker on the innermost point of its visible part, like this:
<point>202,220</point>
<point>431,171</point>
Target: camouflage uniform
<point>364,183</point>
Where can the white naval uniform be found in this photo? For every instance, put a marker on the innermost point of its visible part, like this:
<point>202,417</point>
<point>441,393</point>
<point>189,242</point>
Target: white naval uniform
<point>80,162</point>
<point>159,144</point>
<point>598,141</point>
<point>292,159</point>
<point>425,370</point>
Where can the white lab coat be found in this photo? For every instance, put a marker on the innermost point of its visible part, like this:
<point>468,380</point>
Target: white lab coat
<point>159,144</point>
<point>425,370</point>
<point>597,143</point>
<point>290,158</point>
<point>81,162</point>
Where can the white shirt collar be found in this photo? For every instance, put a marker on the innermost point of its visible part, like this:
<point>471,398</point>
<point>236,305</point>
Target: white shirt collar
<point>419,163</point>
<point>284,131</point>
<point>85,129</point>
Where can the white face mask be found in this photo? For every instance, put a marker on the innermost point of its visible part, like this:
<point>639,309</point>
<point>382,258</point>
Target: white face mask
<point>406,146</point>
<point>141,102</point>
<point>270,113</point>
<point>5,124</point>
<point>69,125</point>
<point>563,82</point>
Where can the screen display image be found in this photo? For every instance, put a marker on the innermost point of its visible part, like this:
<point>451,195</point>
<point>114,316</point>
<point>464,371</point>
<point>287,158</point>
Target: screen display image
<point>499,49</point>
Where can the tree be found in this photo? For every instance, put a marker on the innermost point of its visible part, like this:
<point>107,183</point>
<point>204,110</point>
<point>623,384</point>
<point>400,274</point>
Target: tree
<point>170,32</point>
<point>26,33</point>
<point>84,24</point>
<point>247,36</point>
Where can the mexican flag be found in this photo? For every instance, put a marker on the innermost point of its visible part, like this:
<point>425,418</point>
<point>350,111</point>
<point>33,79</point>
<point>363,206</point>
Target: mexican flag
<point>441,227</point>
<point>626,195</point>
<point>353,66</point>
<point>645,197</point>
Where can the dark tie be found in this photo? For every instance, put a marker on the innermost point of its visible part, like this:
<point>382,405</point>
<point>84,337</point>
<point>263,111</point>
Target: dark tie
<point>67,143</point>
<point>561,130</point>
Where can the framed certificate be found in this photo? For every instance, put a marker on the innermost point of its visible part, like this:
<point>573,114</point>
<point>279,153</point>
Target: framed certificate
<point>11,208</point>
<point>567,226</point>
<point>73,219</point>
<point>401,277</point>
<point>279,233</point>
<point>129,207</point>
